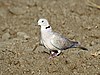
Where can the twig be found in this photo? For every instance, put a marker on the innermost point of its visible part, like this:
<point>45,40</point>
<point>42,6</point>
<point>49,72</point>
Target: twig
<point>36,45</point>
<point>93,4</point>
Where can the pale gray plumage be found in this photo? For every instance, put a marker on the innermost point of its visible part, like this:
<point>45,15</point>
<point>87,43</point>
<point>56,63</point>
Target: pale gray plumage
<point>60,42</point>
<point>54,41</point>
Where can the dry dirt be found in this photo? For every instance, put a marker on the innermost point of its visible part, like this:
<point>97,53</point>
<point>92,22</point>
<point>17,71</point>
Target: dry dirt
<point>76,19</point>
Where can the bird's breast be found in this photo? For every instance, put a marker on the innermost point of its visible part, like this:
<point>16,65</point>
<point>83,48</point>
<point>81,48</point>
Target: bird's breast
<point>46,39</point>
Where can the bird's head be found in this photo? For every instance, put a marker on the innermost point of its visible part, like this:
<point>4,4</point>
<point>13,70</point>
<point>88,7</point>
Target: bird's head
<point>43,22</point>
<point>44,25</point>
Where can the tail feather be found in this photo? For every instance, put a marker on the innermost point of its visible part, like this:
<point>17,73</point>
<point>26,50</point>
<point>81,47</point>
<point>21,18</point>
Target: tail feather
<point>83,48</point>
<point>77,45</point>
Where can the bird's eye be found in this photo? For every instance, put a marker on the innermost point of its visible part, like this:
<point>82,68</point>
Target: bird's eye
<point>42,21</point>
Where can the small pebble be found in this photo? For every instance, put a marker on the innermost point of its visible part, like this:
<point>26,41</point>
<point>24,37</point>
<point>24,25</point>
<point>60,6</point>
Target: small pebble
<point>23,35</point>
<point>18,10</point>
<point>95,53</point>
<point>6,36</point>
<point>3,12</point>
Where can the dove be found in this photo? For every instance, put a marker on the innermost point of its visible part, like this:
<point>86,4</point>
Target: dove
<point>54,41</point>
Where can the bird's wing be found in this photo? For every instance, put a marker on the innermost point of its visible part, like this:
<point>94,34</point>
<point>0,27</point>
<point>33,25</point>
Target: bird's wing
<point>60,42</point>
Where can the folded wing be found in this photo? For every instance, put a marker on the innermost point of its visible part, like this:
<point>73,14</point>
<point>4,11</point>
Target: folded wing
<point>60,42</point>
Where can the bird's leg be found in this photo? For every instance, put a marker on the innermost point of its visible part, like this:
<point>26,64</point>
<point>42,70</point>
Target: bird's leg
<point>59,51</point>
<point>54,53</point>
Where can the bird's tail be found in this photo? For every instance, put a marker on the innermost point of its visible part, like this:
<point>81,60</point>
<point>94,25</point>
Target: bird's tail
<point>77,45</point>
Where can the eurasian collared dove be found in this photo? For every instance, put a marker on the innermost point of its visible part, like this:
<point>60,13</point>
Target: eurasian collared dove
<point>54,41</point>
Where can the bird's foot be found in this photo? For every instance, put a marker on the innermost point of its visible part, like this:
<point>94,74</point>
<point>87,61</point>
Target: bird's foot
<point>54,53</point>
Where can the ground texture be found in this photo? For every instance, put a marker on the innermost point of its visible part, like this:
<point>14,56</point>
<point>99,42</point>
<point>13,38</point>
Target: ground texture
<point>76,19</point>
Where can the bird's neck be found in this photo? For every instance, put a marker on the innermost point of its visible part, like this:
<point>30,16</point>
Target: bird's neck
<point>46,28</point>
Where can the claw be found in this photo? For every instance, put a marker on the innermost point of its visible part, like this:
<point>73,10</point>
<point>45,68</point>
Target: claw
<point>54,53</point>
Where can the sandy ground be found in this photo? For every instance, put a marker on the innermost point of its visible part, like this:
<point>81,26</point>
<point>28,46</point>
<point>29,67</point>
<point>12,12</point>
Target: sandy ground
<point>76,19</point>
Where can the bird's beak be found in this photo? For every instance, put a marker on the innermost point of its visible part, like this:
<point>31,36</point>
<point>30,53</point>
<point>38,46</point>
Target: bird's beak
<point>37,25</point>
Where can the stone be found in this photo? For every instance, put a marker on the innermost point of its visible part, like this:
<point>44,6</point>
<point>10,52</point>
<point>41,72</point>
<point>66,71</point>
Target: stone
<point>6,36</point>
<point>18,10</point>
<point>3,12</point>
<point>23,35</point>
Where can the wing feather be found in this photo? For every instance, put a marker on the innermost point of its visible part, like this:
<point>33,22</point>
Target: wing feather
<point>60,42</point>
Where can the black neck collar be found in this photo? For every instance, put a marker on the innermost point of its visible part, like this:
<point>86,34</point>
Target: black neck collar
<point>47,27</point>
